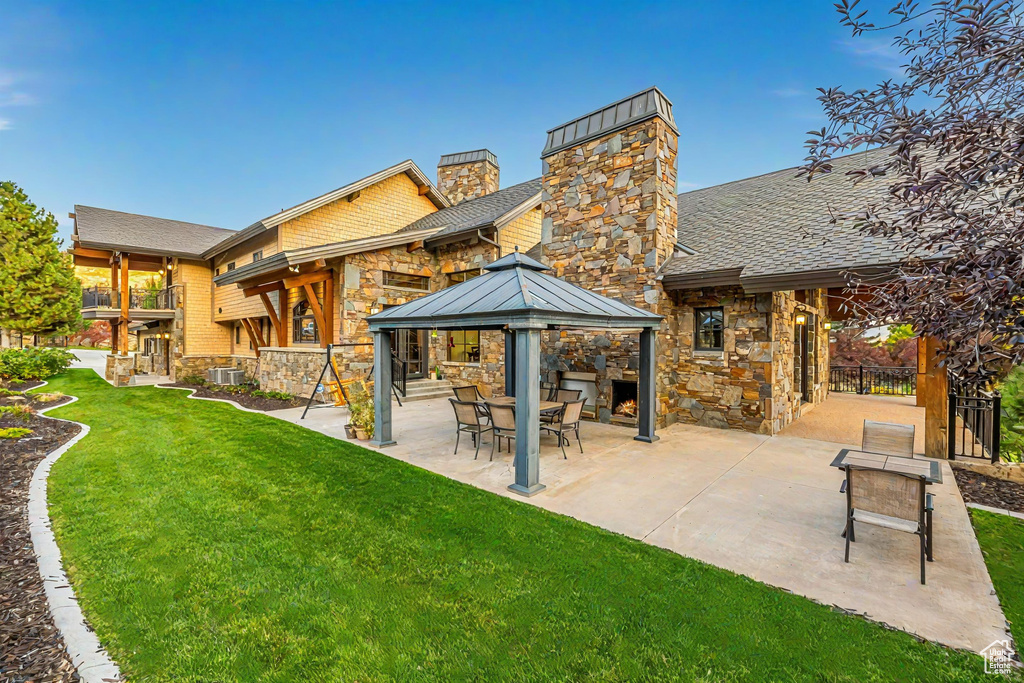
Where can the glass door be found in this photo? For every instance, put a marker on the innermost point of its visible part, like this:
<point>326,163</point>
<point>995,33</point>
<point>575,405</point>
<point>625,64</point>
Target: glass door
<point>411,347</point>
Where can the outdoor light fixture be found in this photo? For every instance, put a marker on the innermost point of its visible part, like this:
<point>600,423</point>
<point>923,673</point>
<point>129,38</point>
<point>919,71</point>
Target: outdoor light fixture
<point>433,334</point>
<point>294,269</point>
<point>161,271</point>
<point>167,335</point>
<point>828,324</point>
<point>801,319</point>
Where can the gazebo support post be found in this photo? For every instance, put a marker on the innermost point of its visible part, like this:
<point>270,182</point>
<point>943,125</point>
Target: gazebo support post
<point>510,363</point>
<point>647,396</point>
<point>527,374</point>
<point>382,389</point>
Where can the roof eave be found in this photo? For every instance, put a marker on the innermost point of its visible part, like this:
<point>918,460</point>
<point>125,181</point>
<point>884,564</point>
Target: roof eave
<point>815,279</point>
<point>146,251</point>
<point>707,278</point>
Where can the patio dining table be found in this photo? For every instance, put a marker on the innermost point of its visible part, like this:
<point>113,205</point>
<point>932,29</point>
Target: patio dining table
<point>545,406</point>
<point>929,469</point>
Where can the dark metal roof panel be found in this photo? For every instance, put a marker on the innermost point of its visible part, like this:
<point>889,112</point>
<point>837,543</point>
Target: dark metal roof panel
<point>468,158</point>
<point>606,120</point>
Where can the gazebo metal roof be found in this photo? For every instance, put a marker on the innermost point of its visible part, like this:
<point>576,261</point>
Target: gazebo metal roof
<point>514,291</point>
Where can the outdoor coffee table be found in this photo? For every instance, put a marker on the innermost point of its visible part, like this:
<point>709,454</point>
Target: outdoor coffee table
<point>929,469</point>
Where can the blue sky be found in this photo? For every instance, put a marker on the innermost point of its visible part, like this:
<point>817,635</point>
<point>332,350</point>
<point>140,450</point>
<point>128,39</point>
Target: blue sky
<point>225,112</point>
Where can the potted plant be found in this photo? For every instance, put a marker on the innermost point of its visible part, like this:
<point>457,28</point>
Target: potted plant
<point>361,415</point>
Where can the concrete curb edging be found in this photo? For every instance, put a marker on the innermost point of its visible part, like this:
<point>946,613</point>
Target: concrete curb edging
<point>998,511</point>
<point>93,663</point>
<point>191,394</point>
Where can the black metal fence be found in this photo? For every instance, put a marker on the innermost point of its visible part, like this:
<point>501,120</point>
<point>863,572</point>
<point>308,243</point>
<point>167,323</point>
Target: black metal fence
<point>868,379</point>
<point>973,422</point>
<point>138,298</point>
<point>399,374</point>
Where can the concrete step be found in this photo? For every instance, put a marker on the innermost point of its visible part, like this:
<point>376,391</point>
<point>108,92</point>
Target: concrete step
<point>441,393</point>
<point>423,389</point>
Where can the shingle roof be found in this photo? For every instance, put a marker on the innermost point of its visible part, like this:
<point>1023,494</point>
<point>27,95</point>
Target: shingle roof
<point>777,225</point>
<point>132,232</point>
<point>513,289</point>
<point>480,212</point>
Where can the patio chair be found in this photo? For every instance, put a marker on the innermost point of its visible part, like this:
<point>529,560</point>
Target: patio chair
<point>562,396</point>
<point>468,420</point>
<point>503,421</point>
<point>470,394</point>
<point>888,438</point>
<point>892,501</point>
<point>567,421</point>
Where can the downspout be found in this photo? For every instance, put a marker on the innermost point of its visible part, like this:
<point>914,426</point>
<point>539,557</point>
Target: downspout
<point>480,234</point>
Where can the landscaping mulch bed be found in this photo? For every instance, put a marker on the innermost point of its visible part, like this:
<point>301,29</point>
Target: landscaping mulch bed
<point>21,386</point>
<point>261,403</point>
<point>31,649</point>
<point>997,493</point>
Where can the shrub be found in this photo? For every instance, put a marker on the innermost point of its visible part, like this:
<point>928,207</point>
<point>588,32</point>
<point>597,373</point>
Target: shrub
<point>14,432</point>
<point>1011,446</point>
<point>193,379</point>
<point>32,363</point>
<point>8,392</point>
<point>23,413</point>
<point>48,398</point>
<point>361,411</point>
<point>281,395</point>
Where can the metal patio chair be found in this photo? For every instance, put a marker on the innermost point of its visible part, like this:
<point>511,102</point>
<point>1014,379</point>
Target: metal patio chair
<point>468,420</point>
<point>567,421</point>
<point>471,394</point>
<point>890,500</point>
<point>503,421</point>
<point>562,396</point>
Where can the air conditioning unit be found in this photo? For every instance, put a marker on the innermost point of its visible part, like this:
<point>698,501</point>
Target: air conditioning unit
<point>211,375</point>
<point>234,377</point>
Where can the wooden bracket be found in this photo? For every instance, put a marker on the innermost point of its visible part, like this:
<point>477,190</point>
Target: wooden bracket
<point>318,313</point>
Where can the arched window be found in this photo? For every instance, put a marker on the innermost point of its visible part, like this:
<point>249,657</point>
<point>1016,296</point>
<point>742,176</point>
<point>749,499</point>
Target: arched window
<point>304,324</point>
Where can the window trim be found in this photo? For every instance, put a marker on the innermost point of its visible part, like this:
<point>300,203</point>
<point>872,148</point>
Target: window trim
<point>231,266</point>
<point>697,311</point>
<point>296,328</point>
<point>257,255</point>
<point>477,272</point>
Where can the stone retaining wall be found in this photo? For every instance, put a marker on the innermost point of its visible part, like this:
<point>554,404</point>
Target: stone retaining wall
<point>291,369</point>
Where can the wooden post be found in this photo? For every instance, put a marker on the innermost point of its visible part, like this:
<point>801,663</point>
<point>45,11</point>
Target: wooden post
<point>318,313</point>
<point>329,308</point>
<point>282,305</point>
<point>936,403</point>
<point>125,301</point>
<point>922,370</point>
<point>115,326</point>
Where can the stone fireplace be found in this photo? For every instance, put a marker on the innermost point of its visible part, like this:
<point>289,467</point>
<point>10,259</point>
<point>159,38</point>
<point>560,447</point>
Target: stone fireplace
<point>624,400</point>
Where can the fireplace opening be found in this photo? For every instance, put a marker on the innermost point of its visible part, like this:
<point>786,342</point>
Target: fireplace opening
<point>624,397</point>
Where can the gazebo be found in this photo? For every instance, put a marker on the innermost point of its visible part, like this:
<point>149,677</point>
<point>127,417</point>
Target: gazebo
<point>516,295</point>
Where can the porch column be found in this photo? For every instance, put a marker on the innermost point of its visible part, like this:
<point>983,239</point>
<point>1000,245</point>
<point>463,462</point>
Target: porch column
<point>527,372</point>
<point>647,394</point>
<point>936,403</point>
<point>382,388</point>
<point>510,363</point>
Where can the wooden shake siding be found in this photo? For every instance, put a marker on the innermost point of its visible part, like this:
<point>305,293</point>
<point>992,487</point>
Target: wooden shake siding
<point>378,210</point>
<point>203,336</point>
<point>523,231</point>
<point>228,301</point>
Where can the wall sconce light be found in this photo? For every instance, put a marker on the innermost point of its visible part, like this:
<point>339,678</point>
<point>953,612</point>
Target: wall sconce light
<point>294,269</point>
<point>801,319</point>
<point>167,335</point>
<point>433,334</point>
<point>828,324</point>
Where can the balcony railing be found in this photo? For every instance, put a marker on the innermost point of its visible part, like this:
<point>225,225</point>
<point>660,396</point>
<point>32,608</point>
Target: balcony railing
<point>865,379</point>
<point>138,298</point>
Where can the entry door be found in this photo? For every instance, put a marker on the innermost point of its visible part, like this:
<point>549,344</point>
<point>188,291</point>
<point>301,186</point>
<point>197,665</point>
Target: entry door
<point>411,346</point>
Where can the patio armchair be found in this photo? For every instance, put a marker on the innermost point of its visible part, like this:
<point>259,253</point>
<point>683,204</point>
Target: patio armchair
<point>470,394</point>
<point>503,421</point>
<point>566,421</point>
<point>468,420</point>
<point>562,396</point>
<point>888,438</point>
<point>892,501</point>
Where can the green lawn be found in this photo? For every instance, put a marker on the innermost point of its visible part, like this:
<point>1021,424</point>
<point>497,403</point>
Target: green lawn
<point>210,544</point>
<point>1002,543</point>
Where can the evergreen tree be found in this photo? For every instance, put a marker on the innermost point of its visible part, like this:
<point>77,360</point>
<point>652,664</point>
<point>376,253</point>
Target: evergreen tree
<point>39,292</point>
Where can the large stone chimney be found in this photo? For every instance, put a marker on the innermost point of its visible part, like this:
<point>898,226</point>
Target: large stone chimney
<point>609,197</point>
<point>467,175</point>
<point>609,202</point>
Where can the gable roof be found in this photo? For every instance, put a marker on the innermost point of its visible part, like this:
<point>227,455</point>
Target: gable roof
<point>513,289</point>
<point>773,231</point>
<point>495,209</point>
<point>134,233</point>
<point>408,167</point>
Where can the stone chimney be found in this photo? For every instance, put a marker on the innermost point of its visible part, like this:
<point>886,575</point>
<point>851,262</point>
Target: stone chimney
<point>609,197</point>
<point>467,175</point>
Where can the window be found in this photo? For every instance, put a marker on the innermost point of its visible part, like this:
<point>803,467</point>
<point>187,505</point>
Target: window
<point>304,324</point>
<point>464,346</point>
<point>238,334</point>
<point>231,266</point>
<point>708,329</point>
<point>257,255</point>
<point>406,281</point>
<point>218,271</point>
<point>462,276</point>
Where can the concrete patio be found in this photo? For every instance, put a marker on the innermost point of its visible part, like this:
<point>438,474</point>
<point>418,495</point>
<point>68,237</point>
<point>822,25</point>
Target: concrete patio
<point>768,508</point>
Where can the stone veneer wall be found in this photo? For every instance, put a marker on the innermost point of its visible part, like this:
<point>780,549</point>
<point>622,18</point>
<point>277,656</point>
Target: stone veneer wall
<point>460,182</point>
<point>785,405</point>
<point>609,222</point>
<point>291,369</point>
<point>198,365</point>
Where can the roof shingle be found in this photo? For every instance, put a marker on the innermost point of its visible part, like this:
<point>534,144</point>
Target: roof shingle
<point>106,229</point>
<point>480,212</point>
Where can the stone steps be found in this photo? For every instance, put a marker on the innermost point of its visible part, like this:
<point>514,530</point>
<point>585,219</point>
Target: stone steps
<point>423,389</point>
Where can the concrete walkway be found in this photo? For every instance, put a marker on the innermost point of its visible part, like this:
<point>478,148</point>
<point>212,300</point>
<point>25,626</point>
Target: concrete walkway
<point>96,360</point>
<point>840,418</point>
<point>769,508</point>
